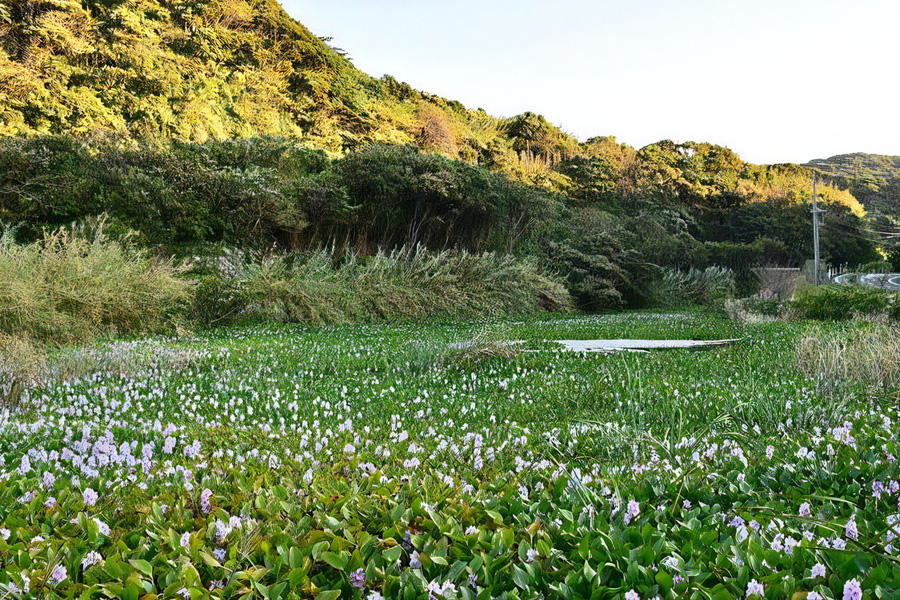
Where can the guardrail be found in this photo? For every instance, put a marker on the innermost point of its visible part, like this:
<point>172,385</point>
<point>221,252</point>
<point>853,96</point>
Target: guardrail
<point>886,281</point>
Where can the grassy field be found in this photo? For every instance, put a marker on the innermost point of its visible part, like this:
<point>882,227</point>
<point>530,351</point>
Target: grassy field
<point>378,460</point>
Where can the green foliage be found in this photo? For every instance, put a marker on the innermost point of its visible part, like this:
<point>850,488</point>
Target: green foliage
<point>406,197</point>
<point>841,302</point>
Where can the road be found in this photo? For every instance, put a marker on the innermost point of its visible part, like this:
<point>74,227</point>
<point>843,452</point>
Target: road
<point>887,281</point>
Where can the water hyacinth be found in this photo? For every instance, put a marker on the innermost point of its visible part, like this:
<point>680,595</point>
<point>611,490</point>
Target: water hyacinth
<point>852,590</point>
<point>358,578</point>
<point>89,497</point>
<point>90,559</point>
<point>754,588</point>
<point>350,457</point>
<point>58,575</point>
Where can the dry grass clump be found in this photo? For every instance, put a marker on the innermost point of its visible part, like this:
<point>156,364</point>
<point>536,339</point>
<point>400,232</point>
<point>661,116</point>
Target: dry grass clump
<point>864,353</point>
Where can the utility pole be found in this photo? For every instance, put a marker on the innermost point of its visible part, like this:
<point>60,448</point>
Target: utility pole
<point>815,213</point>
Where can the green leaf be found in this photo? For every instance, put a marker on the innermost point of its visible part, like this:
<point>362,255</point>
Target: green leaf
<point>391,555</point>
<point>296,577</point>
<point>520,577</point>
<point>143,566</point>
<point>664,580</point>
<point>497,517</point>
<point>338,561</point>
<point>209,560</point>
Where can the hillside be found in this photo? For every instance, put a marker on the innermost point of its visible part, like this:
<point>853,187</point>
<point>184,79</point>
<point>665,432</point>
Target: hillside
<point>220,69</point>
<point>872,178</point>
<point>871,169</point>
<point>227,121</point>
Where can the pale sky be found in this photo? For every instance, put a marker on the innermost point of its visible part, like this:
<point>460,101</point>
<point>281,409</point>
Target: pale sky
<point>774,80</point>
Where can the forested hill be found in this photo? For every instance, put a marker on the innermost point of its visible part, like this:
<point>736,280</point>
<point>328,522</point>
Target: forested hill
<point>873,169</point>
<point>872,178</point>
<point>195,70</point>
<point>227,121</point>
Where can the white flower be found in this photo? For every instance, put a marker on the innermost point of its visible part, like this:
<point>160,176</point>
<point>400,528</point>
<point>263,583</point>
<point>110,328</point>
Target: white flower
<point>90,559</point>
<point>90,497</point>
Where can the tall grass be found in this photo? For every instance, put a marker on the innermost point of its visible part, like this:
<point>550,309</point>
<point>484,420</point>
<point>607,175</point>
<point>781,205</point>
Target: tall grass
<point>693,286</point>
<point>406,283</point>
<point>859,354</point>
<point>66,288</point>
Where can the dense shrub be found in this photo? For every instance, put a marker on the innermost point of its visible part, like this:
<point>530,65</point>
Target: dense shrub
<point>406,197</point>
<point>840,302</point>
<point>66,287</point>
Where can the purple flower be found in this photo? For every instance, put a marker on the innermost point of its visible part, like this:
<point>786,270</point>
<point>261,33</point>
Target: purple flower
<point>632,595</point>
<point>90,497</point>
<point>852,590</point>
<point>60,574</point>
<point>185,539</point>
<point>219,553</point>
<point>804,509</point>
<point>818,570</point>
<point>632,511</point>
<point>814,596</point>
<point>358,578</point>
<point>205,495</point>
<point>90,559</point>
<point>755,588</point>
<point>850,530</point>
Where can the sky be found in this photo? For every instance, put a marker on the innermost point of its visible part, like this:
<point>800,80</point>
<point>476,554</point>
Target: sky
<point>775,81</point>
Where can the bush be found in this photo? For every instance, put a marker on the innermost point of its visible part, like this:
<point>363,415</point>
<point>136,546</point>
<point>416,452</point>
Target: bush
<point>694,286</point>
<point>66,288</point>
<point>310,288</point>
<point>841,302</point>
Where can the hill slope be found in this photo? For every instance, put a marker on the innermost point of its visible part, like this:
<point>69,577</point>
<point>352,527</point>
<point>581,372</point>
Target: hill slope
<point>191,71</point>
<point>874,179</point>
<point>218,69</point>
